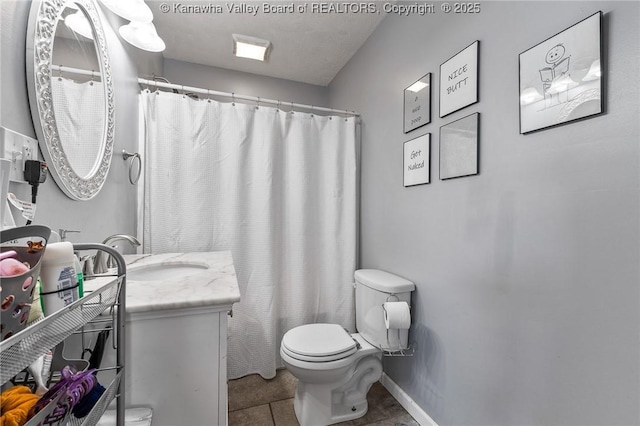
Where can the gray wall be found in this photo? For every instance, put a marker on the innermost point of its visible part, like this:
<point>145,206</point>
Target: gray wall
<point>113,209</point>
<point>527,302</point>
<point>224,80</point>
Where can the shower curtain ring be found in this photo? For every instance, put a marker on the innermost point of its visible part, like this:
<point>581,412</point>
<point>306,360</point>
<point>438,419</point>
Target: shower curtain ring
<point>258,103</point>
<point>209,94</point>
<point>291,107</point>
<point>92,75</point>
<point>311,110</point>
<point>278,106</point>
<point>233,99</point>
<point>60,73</point>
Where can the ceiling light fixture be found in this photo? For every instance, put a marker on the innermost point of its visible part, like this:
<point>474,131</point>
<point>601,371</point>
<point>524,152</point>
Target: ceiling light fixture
<point>251,47</point>
<point>594,71</point>
<point>131,10</point>
<point>562,84</point>
<point>142,35</point>
<point>529,96</point>
<point>417,86</point>
<point>140,32</point>
<point>79,24</point>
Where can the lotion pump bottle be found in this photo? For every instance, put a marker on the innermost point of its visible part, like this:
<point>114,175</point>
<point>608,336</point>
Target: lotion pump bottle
<point>59,277</point>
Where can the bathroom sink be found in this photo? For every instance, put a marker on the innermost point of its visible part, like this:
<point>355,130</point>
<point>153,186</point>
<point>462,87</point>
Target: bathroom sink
<point>164,271</point>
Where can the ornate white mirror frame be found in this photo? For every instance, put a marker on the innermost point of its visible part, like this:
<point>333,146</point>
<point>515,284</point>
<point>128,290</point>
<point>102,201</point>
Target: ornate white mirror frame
<point>43,21</point>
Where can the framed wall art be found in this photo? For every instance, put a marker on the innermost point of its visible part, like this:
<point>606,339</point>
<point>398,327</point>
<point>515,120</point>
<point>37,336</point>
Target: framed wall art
<point>417,104</point>
<point>459,147</point>
<point>417,160</point>
<point>561,79</point>
<point>459,80</point>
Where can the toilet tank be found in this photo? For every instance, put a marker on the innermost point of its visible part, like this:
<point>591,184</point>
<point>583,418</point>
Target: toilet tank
<point>373,288</point>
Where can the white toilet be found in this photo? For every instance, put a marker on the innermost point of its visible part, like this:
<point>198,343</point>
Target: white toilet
<point>335,369</point>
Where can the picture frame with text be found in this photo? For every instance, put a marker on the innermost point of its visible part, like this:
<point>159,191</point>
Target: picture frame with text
<point>417,104</point>
<point>459,80</point>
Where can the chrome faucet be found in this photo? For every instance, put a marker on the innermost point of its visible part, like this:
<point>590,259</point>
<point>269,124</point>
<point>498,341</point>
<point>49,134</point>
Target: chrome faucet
<point>63,233</point>
<point>103,259</point>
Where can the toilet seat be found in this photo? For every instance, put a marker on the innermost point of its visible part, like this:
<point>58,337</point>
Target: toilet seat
<point>318,343</point>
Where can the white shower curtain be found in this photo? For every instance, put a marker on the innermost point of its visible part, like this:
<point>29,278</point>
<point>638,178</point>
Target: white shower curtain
<point>79,108</point>
<point>278,189</point>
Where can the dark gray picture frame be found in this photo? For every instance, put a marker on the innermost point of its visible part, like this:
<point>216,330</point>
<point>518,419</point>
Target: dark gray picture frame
<point>561,80</point>
<point>459,147</point>
<point>416,163</point>
<point>417,104</point>
<point>459,80</point>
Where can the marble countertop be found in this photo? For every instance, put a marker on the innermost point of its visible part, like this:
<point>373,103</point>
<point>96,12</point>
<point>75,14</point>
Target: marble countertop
<point>215,286</point>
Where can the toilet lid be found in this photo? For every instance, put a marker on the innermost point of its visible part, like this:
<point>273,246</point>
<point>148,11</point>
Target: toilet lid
<point>318,342</point>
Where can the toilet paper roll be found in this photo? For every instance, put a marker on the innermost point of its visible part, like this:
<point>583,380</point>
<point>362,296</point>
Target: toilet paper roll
<point>396,315</point>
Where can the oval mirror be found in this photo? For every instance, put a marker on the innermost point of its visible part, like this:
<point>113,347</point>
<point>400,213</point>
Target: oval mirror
<point>71,93</point>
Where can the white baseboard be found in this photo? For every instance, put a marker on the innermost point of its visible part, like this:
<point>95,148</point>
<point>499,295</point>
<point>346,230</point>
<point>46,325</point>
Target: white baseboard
<point>407,403</point>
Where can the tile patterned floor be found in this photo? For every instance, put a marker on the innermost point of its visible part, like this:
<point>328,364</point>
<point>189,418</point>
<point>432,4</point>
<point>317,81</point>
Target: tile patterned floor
<point>256,401</point>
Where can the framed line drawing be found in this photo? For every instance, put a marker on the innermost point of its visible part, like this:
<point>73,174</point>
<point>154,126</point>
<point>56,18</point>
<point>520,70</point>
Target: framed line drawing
<point>459,150</point>
<point>417,104</point>
<point>417,160</point>
<point>561,78</point>
<point>459,80</point>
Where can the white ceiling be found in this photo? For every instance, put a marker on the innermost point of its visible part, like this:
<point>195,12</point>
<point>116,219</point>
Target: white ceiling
<point>307,47</point>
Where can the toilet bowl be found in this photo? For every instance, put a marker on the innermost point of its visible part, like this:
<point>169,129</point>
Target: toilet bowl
<point>335,369</point>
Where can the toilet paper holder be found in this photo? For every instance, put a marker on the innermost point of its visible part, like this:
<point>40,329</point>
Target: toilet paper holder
<point>409,351</point>
<point>391,350</point>
<point>398,322</point>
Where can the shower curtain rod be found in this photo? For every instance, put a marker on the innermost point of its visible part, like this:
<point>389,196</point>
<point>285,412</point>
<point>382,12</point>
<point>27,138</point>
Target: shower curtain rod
<point>234,96</point>
<point>71,70</point>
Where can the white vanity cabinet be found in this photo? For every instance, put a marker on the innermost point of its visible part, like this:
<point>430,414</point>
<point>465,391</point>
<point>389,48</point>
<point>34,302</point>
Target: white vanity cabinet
<point>176,342</point>
<point>178,365</point>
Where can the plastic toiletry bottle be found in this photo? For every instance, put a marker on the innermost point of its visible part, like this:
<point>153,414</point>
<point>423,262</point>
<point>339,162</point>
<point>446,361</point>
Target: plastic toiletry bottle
<point>36,311</point>
<point>59,278</point>
<point>79,275</point>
